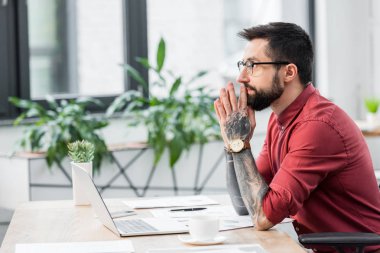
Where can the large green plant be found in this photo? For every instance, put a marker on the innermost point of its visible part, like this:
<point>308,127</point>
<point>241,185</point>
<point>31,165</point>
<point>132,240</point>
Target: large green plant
<point>184,116</point>
<point>51,129</point>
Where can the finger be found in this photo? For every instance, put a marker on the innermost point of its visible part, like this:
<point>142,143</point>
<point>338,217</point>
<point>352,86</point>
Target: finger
<point>243,97</point>
<point>232,96</point>
<point>216,109</point>
<point>225,101</point>
<point>220,110</point>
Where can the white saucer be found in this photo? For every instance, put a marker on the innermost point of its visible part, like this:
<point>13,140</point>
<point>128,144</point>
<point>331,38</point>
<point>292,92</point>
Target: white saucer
<point>187,239</point>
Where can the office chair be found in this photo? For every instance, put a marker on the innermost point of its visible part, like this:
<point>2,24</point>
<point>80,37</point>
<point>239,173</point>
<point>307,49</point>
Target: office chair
<point>340,240</point>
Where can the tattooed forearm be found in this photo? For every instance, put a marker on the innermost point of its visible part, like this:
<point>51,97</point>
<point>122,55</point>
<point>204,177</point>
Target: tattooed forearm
<point>233,186</point>
<point>252,186</point>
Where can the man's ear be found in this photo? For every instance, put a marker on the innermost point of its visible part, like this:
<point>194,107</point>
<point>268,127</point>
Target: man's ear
<point>291,72</point>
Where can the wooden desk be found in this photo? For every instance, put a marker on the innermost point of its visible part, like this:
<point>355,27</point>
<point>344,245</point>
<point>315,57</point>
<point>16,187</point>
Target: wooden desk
<point>61,221</point>
<point>368,129</point>
<point>372,133</point>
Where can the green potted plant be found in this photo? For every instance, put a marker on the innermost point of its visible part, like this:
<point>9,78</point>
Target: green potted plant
<point>372,105</point>
<point>81,154</point>
<point>50,129</point>
<point>181,118</point>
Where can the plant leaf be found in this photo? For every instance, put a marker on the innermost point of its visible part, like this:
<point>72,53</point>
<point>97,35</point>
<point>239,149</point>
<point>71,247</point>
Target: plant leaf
<point>19,119</point>
<point>372,104</point>
<point>88,100</point>
<point>25,104</point>
<point>136,76</point>
<point>144,62</point>
<point>158,145</point>
<point>175,86</point>
<point>160,54</point>
<point>176,147</point>
<point>197,76</point>
<point>51,101</point>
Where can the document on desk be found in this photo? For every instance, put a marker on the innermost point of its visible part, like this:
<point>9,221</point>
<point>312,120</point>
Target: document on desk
<point>117,246</point>
<point>229,219</point>
<point>237,248</point>
<point>224,210</point>
<point>170,202</point>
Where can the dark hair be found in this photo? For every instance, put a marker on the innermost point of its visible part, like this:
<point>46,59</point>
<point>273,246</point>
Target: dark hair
<point>286,42</point>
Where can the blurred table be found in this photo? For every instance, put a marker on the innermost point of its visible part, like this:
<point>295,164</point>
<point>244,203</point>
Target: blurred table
<point>371,133</point>
<point>369,129</point>
<point>61,221</point>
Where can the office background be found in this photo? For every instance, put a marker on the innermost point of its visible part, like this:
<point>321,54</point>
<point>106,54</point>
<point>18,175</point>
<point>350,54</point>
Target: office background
<point>75,48</point>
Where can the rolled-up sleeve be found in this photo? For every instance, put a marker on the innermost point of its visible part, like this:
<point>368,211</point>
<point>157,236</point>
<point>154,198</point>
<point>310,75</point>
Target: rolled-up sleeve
<point>314,150</point>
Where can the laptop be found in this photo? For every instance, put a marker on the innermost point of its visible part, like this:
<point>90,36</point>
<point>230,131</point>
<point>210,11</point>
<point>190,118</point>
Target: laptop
<point>130,227</point>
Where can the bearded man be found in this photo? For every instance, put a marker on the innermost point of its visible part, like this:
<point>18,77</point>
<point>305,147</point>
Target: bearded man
<point>314,166</point>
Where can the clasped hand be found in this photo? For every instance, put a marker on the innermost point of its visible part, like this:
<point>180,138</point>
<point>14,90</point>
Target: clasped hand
<point>236,119</point>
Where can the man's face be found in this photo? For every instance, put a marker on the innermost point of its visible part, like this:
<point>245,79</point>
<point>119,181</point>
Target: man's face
<point>262,81</point>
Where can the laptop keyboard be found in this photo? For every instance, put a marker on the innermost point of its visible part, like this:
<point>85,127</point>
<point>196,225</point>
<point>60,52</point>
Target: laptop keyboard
<point>133,226</point>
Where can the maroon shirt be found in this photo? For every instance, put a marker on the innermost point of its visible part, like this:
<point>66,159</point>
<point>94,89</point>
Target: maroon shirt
<point>319,170</point>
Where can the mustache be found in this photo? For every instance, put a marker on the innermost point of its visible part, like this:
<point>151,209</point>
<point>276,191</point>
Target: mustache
<point>249,87</point>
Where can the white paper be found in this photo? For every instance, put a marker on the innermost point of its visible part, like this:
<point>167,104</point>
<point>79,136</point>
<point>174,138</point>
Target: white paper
<point>234,222</point>
<point>237,248</point>
<point>171,202</point>
<point>117,246</point>
<point>218,211</point>
<point>229,219</point>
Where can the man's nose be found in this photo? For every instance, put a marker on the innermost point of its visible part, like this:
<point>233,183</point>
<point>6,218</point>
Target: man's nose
<point>243,77</point>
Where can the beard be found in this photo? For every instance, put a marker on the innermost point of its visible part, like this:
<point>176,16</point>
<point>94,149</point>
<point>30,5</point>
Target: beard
<point>263,99</point>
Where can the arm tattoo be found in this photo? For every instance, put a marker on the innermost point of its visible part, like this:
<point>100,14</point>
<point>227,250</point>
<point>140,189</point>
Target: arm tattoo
<point>252,186</point>
<point>233,186</point>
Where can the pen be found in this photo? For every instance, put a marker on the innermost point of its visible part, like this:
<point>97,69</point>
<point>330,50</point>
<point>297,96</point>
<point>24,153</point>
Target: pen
<point>188,209</point>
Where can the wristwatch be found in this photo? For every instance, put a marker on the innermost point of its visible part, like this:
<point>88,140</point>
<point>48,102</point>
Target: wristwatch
<point>238,145</point>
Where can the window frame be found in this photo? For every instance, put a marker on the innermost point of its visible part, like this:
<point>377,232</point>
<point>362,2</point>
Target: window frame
<point>14,44</point>
<point>14,68</point>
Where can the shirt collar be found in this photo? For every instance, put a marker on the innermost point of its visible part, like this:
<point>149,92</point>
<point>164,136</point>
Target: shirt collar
<point>287,116</point>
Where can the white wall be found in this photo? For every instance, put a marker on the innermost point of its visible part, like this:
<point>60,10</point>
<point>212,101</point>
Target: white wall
<point>348,56</point>
<point>375,22</point>
<point>100,47</point>
<point>348,52</point>
<point>299,15</point>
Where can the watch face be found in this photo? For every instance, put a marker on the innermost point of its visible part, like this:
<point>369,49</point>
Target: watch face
<point>236,145</point>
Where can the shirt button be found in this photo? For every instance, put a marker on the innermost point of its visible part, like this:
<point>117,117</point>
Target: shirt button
<point>297,229</point>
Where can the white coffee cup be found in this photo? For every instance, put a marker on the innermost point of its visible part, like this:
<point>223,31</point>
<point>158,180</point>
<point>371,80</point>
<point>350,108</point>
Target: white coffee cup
<point>203,228</point>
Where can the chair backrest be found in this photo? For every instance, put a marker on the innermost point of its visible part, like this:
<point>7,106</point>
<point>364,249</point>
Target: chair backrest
<point>339,240</point>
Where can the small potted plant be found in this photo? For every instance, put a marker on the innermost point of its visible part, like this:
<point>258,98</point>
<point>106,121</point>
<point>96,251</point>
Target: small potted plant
<point>372,105</point>
<point>81,154</point>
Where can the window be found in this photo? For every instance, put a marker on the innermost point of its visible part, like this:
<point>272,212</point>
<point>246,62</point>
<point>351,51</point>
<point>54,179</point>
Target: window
<point>76,47</point>
<point>69,48</point>
<point>72,48</point>
<point>202,35</point>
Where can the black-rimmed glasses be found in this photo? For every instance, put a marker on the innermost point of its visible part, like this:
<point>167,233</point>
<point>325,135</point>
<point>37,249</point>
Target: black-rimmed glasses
<point>252,70</point>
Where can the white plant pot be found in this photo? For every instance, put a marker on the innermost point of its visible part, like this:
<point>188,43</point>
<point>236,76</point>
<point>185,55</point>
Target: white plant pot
<point>79,191</point>
<point>371,118</point>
